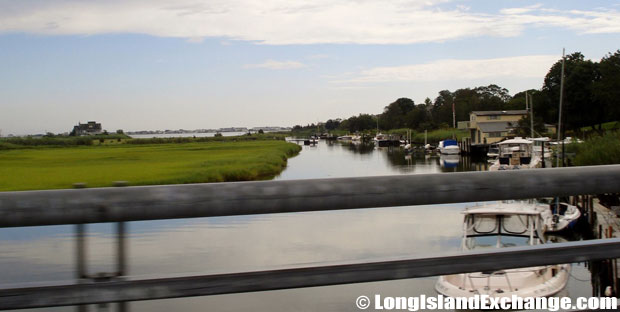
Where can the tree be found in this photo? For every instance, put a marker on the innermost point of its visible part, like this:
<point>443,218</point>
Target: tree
<point>517,102</point>
<point>393,116</point>
<point>523,128</point>
<point>442,107</point>
<point>358,123</point>
<point>417,117</point>
<point>491,97</point>
<point>332,124</point>
<point>607,89</point>
<point>493,91</point>
<point>260,131</point>
<point>580,107</point>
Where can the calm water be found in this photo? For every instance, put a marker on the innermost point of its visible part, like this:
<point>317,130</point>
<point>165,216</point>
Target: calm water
<point>44,255</point>
<point>183,135</point>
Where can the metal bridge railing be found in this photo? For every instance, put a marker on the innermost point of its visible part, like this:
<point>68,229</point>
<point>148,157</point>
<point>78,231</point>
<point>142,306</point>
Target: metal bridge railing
<point>33,208</point>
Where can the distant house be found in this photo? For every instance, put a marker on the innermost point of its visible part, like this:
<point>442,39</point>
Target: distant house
<point>90,128</point>
<point>551,129</point>
<point>487,127</point>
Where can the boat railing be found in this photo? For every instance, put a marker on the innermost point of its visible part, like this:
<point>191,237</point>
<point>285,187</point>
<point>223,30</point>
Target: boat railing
<point>122,204</point>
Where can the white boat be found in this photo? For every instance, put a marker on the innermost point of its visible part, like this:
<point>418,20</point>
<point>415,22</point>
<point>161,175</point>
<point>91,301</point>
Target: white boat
<point>540,144</point>
<point>380,137</point>
<point>382,140</point>
<point>493,152</point>
<point>449,147</point>
<point>559,215</point>
<point>567,140</point>
<point>504,225</point>
<point>515,154</point>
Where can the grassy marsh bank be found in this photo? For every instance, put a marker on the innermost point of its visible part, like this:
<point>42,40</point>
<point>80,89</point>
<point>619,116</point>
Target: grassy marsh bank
<point>597,150</point>
<point>142,164</point>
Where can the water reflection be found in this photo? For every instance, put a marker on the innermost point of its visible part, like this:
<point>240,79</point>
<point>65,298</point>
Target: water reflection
<point>244,243</point>
<point>358,148</point>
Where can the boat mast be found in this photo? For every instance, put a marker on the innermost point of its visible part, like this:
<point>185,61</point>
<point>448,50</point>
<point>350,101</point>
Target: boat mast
<point>560,110</point>
<point>557,163</point>
<point>527,109</point>
<point>453,120</point>
<point>531,116</point>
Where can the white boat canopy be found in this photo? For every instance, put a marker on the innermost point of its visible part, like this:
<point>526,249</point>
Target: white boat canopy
<point>517,140</point>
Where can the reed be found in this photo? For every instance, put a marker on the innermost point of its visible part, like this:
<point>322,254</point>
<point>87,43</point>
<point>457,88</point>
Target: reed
<point>597,150</point>
<point>142,164</point>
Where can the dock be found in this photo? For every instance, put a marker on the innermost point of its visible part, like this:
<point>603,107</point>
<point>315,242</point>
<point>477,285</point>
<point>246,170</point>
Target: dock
<point>605,223</point>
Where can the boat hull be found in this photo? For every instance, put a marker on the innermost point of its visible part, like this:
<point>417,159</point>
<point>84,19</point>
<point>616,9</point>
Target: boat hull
<point>541,281</point>
<point>449,150</point>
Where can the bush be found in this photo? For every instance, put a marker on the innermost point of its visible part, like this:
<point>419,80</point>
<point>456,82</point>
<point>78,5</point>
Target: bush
<point>599,150</point>
<point>58,141</point>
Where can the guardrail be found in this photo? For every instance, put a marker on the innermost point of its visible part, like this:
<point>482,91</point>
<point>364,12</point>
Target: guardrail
<point>227,199</point>
<point>117,204</point>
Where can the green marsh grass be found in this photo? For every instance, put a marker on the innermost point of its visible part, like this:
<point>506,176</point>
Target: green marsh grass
<point>597,150</point>
<point>142,164</point>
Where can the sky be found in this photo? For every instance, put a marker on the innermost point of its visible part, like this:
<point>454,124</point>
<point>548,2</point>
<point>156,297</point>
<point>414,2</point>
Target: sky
<point>194,64</point>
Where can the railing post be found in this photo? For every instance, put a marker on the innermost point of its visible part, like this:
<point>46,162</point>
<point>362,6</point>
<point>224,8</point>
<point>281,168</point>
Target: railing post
<point>121,266</point>
<point>81,271</point>
<point>80,260</point>
<point>121,253</point>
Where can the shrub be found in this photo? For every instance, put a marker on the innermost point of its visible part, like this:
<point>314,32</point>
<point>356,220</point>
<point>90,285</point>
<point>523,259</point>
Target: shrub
<point>599,150</point>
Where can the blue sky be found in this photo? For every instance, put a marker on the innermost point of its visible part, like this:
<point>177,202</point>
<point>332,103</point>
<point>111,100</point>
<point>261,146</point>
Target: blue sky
<point>138,65</point>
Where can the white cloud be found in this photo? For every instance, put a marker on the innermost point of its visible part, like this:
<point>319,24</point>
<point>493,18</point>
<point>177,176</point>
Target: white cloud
<point>277,65</point>
<point>452,69</point>
<point>584,22</point>
<point>521,10</point>
<point>195,39</point>
<point>318,56</point>
<point>279,22</point>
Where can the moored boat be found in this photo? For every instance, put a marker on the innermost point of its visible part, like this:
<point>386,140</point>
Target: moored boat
<point>515,154</point>
<point>449,147</point>
<point>498,226</point>
<point>540,146</point>
<point>493,152</point>
<point>560,216</point>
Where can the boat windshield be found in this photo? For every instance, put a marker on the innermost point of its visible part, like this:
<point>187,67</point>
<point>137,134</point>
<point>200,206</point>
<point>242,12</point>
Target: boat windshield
<point>490,224</point>
<point>516,224</point>
<point>515,147</point>
<point>481,242</point>
<point>506,224</point>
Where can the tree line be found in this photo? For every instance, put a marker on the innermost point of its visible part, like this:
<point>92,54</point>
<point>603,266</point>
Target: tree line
<point>591,98</point>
